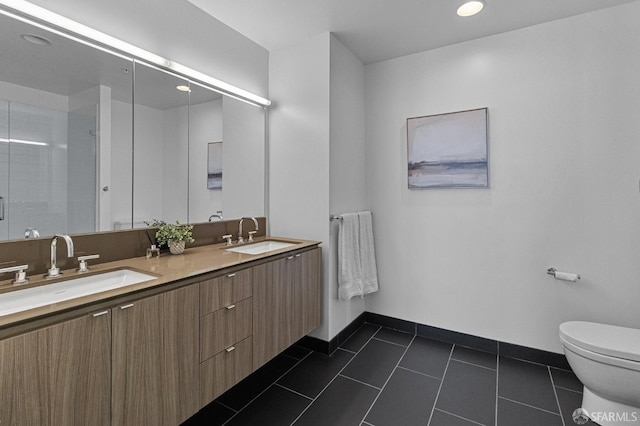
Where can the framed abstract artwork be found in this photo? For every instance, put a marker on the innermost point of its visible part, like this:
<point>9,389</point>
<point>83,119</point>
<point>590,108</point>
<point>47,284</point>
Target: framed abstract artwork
<point>448,150</point>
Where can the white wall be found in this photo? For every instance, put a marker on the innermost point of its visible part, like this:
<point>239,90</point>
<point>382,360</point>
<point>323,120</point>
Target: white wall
<point>205,126</point>
<point>149,189</point>
<point>29,96</point>
<point>174,173</point>
<point>121,159</point>
<point>347,169</point>
<point>299,146</point>
<point>242,160</point>
<point>563,101</point>
<point>317,155</point>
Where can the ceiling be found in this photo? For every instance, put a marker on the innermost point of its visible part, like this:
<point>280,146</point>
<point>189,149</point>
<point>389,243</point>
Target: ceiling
<point>377,30</point>
<point>68,68</point>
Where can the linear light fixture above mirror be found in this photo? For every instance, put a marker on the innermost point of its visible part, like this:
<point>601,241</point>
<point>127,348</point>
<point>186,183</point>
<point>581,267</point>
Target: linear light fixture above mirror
<point>25,10</point>
<point>24,142</point>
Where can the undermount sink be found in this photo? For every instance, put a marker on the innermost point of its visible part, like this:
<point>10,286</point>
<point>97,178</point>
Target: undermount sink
<point>47,294</point>
<point>261,247</point>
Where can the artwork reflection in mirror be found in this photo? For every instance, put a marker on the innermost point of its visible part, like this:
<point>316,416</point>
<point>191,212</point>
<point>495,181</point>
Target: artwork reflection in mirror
<point>214,165</point>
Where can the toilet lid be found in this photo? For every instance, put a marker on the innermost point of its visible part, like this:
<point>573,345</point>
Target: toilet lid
<point>611,340</point>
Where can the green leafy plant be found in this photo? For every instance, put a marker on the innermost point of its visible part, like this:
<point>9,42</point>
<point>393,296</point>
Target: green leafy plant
<point>172,232</point>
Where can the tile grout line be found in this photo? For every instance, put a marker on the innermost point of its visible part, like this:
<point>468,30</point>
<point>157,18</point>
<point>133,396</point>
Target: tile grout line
<point>226,406</point>
<point>441,382</point>
<point>530,406</point>
<point>267,388</point>
<point>393,343</point>
<point>534,362</point>
<point>334,378</point>
<point>419,372</point>
<point>556,395</point>
<point>359,381</point>
<point>388,378</point>
<point>460,417</point>
<point>567,389</point>
<point>293,391</point>
<point>471,363</point>
<point>354,332</point>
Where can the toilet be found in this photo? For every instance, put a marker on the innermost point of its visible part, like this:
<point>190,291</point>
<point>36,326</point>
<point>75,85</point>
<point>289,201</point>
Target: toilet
<point>606,359</point>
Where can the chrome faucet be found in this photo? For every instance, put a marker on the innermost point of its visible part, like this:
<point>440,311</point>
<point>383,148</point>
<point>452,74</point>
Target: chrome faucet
<point>54,271</point>
<point>218,216</point>
<point>31,233</point>
<point>255,223</point>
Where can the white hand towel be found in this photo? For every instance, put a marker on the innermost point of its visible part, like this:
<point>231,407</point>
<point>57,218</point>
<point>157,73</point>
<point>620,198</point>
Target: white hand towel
<point>349,264</point>
<point>367,254</point>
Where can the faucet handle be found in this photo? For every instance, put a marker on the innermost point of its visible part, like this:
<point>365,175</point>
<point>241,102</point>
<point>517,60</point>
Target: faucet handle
<point>228,238</point>
<point>251,233</point>
<point>21,274</point>
<point>82,266</point>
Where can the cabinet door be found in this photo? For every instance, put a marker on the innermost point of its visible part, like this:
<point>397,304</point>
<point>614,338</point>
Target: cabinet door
<point>155,359</point>
<point>224,327</point>
<point>287,303</point>
<point>224,370</point>
<point>223,291</point>
<point>58,375</point>
<point>306,293</point>
<point>271,310</point>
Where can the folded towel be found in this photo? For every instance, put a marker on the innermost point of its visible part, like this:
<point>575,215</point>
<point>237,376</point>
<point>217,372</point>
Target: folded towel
<point>367,254</point>
<point>357,273</point>
<point>349,265</point>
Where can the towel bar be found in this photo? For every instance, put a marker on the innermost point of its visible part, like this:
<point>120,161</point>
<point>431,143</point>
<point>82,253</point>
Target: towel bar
<point>335,217</point>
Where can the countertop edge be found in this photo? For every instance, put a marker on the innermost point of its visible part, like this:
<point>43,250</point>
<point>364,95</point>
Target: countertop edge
<point>169,269</point>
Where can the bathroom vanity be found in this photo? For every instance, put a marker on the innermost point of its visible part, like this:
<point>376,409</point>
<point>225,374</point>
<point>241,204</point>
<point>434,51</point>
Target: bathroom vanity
<point>154,353</point>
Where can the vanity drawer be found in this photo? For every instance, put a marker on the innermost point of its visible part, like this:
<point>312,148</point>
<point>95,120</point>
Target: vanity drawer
<point>225,290</point>
<point>225,327</point>
<point>224,370</point>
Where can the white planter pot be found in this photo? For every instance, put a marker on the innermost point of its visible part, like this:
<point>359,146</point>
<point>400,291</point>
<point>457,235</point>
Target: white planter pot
<point>176,247</point>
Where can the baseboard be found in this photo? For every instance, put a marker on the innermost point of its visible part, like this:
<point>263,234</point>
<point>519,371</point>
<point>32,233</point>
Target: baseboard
<point>329,347</point>
<point>509,350</point>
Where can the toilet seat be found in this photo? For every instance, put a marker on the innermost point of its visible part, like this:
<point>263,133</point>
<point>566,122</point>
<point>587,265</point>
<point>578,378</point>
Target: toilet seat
<point>610,340</point>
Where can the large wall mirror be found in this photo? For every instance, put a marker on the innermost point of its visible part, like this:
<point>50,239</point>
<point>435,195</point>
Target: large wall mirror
<point>92,141</point>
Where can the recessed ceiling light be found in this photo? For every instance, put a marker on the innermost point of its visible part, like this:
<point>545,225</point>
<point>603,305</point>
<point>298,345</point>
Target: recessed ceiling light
<point>183,88</point>
<point>36,39</point>
<point>470,8</point>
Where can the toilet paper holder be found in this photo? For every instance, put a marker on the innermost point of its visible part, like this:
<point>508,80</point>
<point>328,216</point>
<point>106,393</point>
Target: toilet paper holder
<point>552,271</point>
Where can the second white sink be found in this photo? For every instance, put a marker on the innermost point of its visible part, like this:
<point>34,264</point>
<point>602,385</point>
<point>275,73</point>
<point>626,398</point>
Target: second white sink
<point>34,297</point>
<point>261,247</point>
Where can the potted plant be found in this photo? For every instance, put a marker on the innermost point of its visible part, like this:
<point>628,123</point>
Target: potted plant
<point>174,235</point>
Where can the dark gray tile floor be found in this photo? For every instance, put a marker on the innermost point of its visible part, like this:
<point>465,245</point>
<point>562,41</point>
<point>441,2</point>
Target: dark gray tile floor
<point>384,377</point>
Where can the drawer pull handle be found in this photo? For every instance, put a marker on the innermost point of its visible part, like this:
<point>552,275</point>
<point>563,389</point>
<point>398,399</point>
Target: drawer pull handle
<point>297,255</point>
<point>231,275</point>
<point>230,349</point>
<point>290,257</point>
<point>99,314</point>
<point>130,305</point>
<point>230,307</point>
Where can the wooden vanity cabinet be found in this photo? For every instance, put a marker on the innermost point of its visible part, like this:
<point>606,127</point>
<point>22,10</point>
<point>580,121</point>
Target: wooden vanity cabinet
<point>159,359</point>
<point>58,375</point>
<point>155,359</point>
<point>286,303</point>
<point>134,364</point>
<point>226,326</point>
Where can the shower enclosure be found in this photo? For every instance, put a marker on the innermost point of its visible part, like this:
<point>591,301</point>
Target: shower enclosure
<point>47,170</point>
